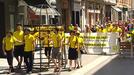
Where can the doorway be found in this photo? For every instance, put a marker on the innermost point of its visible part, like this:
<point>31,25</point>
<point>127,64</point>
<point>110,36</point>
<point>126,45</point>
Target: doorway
<point>2,26</point>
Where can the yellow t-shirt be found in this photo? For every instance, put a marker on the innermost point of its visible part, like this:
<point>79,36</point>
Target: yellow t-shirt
<point>80,41</point>
<point>73,41</point>
<point>71,27</point>
<point>19,36</point>
<point>36,34</point>
<point>110,28</point>
<point>29,43</point>
<point>100,30</point>
<point>104,30</point>
<point>56,40</point>
<point>117,29</point>
<point>132,31</point>
<point>47,40</point>
<point>9,43</point>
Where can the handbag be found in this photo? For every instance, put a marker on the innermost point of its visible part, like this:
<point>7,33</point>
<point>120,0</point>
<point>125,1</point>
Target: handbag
<point>83,51</point>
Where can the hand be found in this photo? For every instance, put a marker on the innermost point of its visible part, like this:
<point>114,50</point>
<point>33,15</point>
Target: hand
<point>5,53</point>
<point>33,52</point>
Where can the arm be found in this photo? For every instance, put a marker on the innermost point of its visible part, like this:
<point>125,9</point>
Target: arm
<point>34,44</point>
<point>3,46</point>
<point>16,40</point>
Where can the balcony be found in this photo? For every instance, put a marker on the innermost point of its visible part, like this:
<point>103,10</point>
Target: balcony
<point>77,0</point>
<point>110,2</point>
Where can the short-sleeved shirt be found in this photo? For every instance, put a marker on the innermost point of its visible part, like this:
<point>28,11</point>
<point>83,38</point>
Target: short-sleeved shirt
<point>9,43</point>
<point>19,36</point>
<point>47,40</point>
<point>73,42</point>
<point>36,34</point>
<point>117,30</point>
<point>29,43</point>
<point>80,41</point>
<point>104,30</point>
<point>56,38</point>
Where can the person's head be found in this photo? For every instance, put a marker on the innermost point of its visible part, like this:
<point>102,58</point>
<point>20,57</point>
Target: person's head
<point>48,31</point>
<point>77,33</point>
<point>27,31</point>
<point>116,26</point>
<point>19,27</point>
<point>72,33</point>
<point>9,34</point>
<point>56,31</point>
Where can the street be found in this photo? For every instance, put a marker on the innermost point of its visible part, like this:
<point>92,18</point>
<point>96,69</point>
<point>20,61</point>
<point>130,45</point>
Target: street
<point>88,60</point>
<point>118,66</point>
<point>92,65</point>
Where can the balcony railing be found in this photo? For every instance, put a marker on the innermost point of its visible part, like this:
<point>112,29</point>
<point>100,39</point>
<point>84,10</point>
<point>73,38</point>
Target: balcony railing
<point>110,1</point>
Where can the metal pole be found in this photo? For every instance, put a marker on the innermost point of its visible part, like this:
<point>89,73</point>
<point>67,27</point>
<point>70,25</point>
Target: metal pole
<point>131,47</point>
<point>94,19</point>
<point>39,38</point>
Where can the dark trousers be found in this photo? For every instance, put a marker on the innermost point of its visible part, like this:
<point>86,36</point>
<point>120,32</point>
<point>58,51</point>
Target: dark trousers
<point>28,59</point>
<point>9,56</point>
<point>48,51</point>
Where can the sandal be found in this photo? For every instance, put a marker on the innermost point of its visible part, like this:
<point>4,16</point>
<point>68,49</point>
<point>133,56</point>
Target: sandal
<point>55,70</point>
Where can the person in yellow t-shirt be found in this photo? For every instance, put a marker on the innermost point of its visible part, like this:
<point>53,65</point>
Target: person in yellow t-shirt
<point>116,28</point>
<point>29,50</point>
<point>48,45</point>
<point>110,28</point>
<point>56,53</point>
<point>104,30</point>
<point>8,47</point>
<point>79,49</point>
<point>71,27</point>
<point>72,52</point>
<point>100,29</point>
<point>19,47</point>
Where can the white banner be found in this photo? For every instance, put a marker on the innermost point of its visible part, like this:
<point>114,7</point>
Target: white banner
<point>98,43</point>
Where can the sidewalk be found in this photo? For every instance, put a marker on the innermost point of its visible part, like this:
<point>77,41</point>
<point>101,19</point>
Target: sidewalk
<point>89,62</point>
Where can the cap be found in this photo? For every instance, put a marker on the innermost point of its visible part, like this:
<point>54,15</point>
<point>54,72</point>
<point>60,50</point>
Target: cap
<point>27,29</point>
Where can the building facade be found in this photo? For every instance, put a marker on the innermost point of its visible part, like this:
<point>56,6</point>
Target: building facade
<point>7,19</point>
<point>125,6</point>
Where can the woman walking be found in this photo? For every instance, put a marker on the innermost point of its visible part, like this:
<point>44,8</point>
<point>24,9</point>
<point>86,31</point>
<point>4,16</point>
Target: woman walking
<point>72,52</point>
<point>8,47</point>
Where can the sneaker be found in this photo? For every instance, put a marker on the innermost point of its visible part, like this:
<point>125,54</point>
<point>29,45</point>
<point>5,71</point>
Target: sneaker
<point>69,69</point>
<point>12,70</point>
<point>77,67</point>
<point>19,66</point>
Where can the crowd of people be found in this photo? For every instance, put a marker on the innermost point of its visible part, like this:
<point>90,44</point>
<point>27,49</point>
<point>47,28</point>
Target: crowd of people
<point>21,44</point>
<point>124,28</point>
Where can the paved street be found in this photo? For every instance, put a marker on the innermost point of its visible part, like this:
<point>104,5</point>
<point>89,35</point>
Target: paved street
<point>92,65</point>
<point>88,60</point>
<point>118,66</point>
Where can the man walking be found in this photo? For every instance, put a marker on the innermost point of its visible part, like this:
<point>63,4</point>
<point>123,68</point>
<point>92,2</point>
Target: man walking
<point>19,47</point>
<point>29,50</point>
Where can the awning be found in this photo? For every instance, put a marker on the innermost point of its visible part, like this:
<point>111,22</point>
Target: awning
<point>117,9</point>
<point>45,11</point>
<point>37,3</point>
